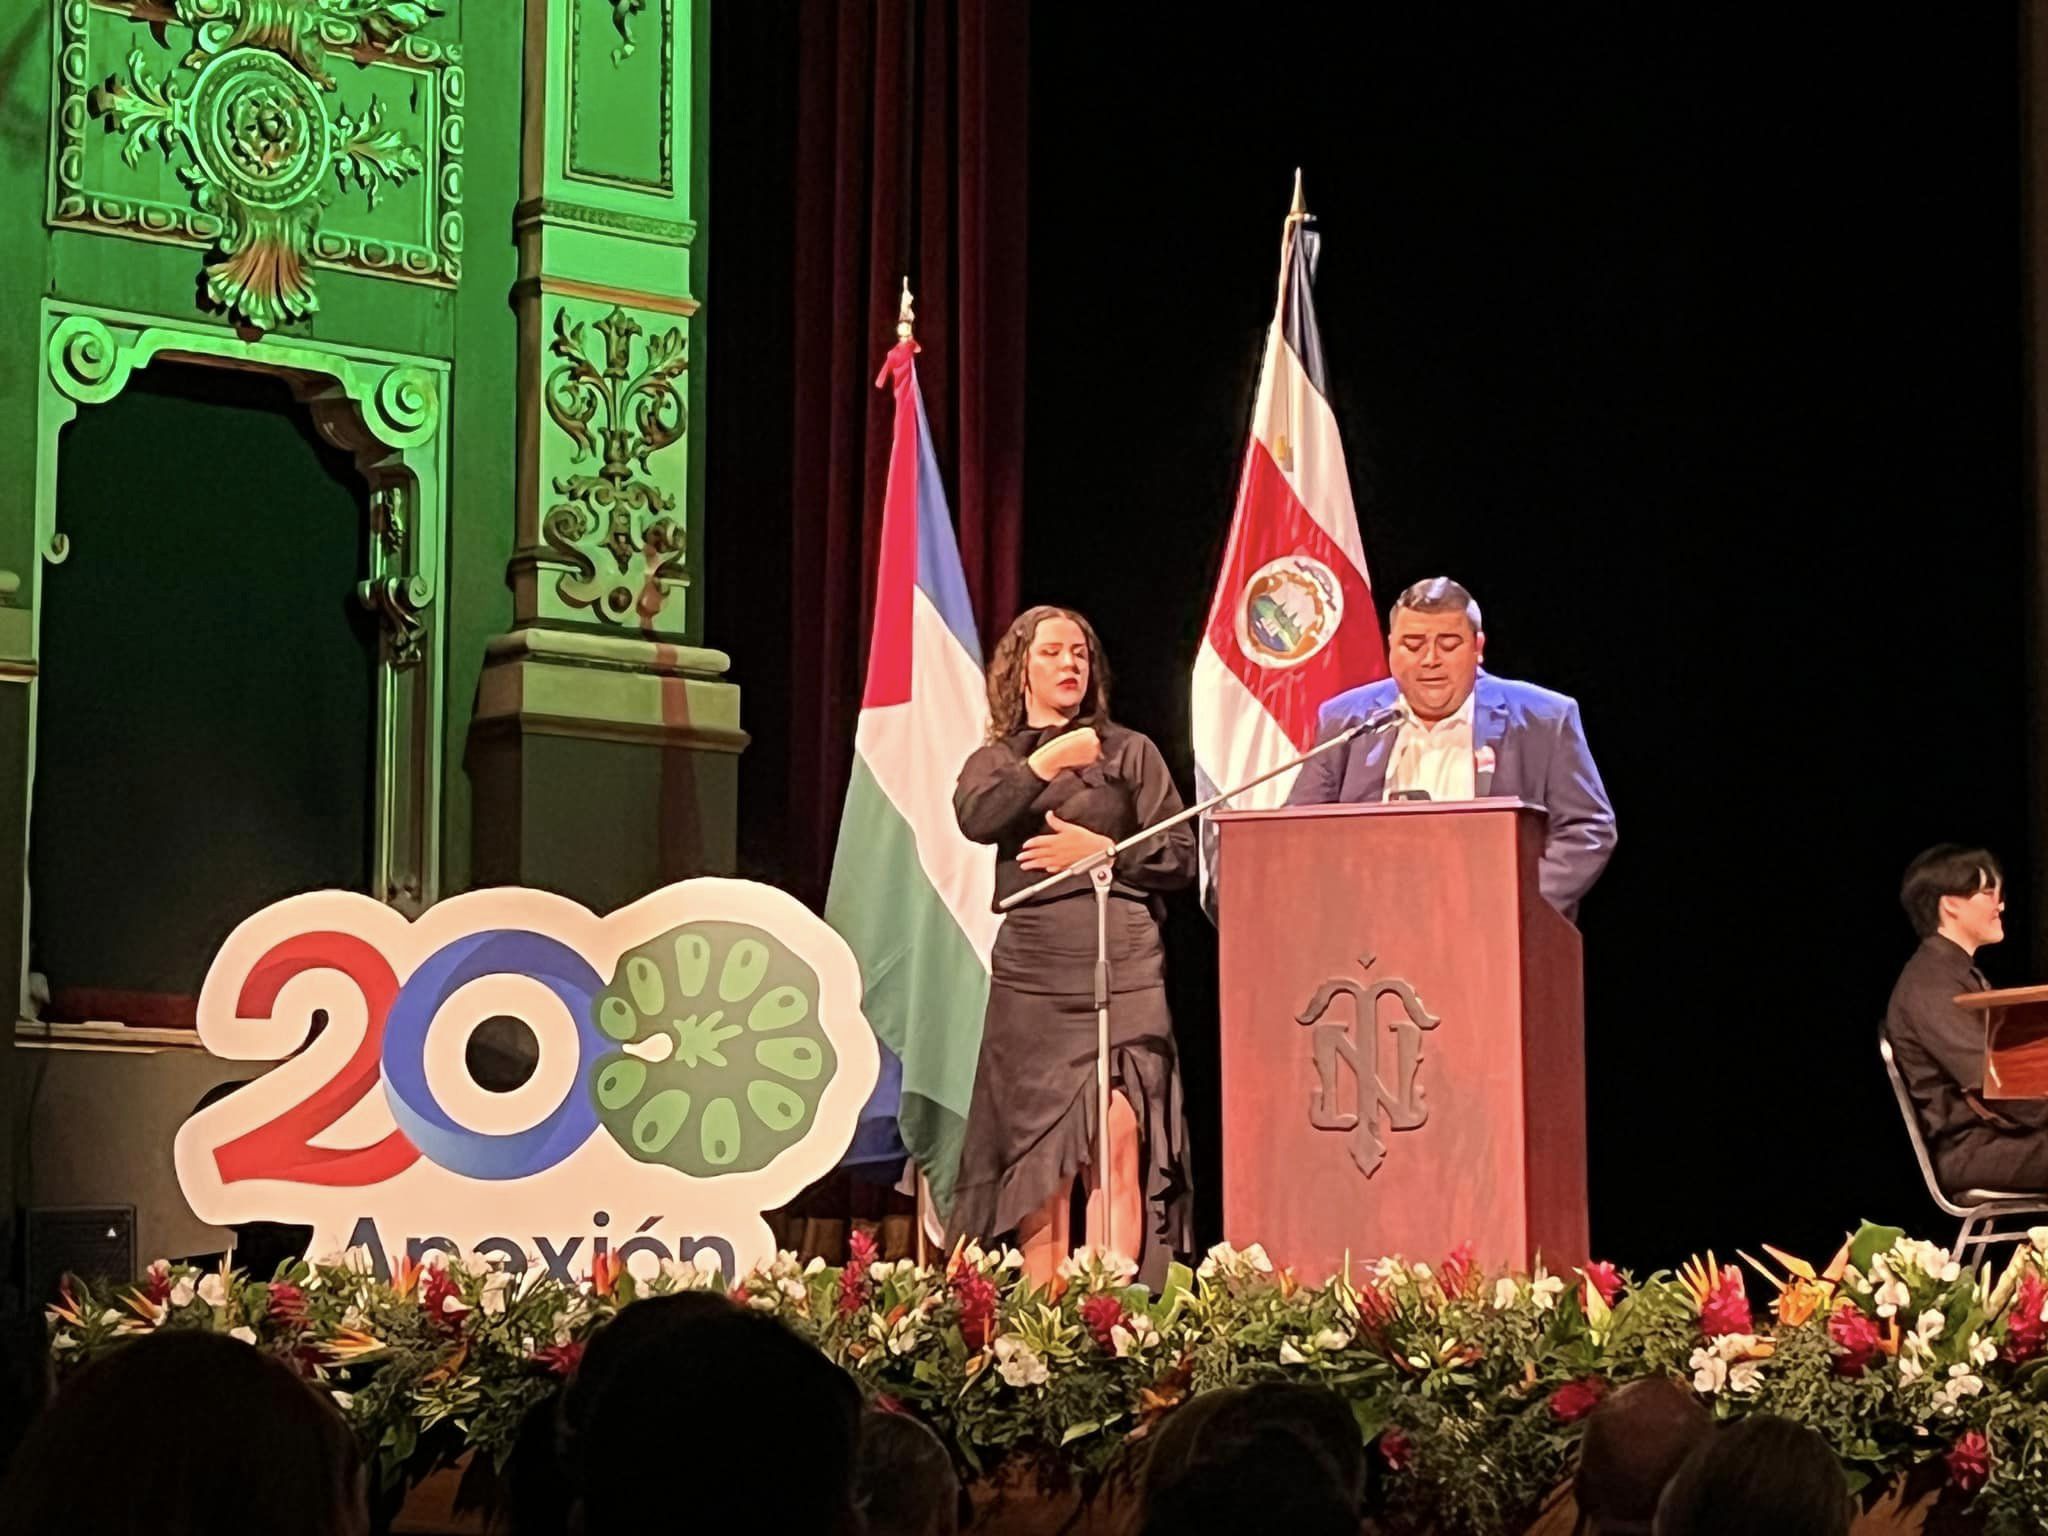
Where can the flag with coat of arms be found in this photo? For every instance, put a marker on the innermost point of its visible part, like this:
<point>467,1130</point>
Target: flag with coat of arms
<point>1292,622</point>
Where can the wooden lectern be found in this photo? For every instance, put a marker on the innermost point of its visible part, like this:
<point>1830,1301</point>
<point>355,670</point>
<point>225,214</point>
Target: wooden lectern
<point>1403,1037</point>
<point>2015,1041</point>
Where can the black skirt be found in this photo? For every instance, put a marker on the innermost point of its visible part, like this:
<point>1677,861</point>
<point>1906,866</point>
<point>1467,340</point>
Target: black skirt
<point>1031,1124</point>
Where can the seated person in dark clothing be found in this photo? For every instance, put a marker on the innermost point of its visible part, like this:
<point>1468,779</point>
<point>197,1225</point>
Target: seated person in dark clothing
<point>1954,897</point>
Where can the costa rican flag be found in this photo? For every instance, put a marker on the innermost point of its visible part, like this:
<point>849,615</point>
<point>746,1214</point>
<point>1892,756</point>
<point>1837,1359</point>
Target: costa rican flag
<point>1292,621</point>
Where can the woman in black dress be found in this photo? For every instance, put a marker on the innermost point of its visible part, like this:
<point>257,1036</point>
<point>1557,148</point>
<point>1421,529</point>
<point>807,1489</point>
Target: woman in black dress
<point>1057,782</point>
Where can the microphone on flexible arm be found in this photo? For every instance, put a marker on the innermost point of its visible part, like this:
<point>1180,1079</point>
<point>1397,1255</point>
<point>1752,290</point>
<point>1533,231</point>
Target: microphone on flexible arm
<point>1372,724</point>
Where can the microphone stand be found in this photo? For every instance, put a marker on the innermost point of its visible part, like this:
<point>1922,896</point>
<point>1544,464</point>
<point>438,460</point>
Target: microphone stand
<point>1097,867</point>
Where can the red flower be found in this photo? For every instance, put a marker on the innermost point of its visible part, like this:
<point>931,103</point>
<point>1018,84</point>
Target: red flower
<point>1375,1312</point>
<point>976,1295</point>
<point>1969,1462</point>
<point>1459,1275</point>
<point>561,1359</point>
<point>1099,1314</point>
<point>1575,1399</point>
<point>887,1404</point>
<point>737,1295</point>
<point>2025,1332</point>
<point>1604,1278</point>
<point>287,1304</point>
<point>437,1289</point>
<point>158,1288</point>
<point>1394,1448</point>
<point>1855,1337</point>
<point>853,1278</point>
<point>1726,1309</point>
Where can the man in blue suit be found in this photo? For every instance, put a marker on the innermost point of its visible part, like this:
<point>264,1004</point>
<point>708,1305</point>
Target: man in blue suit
<point>1463,734</point>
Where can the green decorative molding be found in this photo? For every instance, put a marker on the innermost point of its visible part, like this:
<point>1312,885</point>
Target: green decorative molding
<point>548,210</point>
<point>621,404</point>
<point>275,152</point>
<point>389,411</point>
<point>623,12</point>
<point>623,134</point>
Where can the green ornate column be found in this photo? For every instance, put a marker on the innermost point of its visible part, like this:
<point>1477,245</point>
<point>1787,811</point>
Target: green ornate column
<point>604,751</point>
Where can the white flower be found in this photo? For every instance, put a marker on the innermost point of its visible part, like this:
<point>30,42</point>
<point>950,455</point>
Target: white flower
<point>1422,1271</point>
<point>1982,1350</point>
<point>1930,1326</point>
<point>1735,1346</point>
<point>182,1291</point>
<point>1331,1339</point>
<point>815,1267</point>
<point>1545,1289</point>
<point>1289,1355</point>
<point>2038,1236</point>
<point>1012,1259</point>
<point>1090,1260</point>
<point>1388,1268</point>
<point>1891,1296</point>
<point>882,1269</point>
<point>1962,1382</point>
<point>343,1400</point>
<point>496,1284</point>
<point>1910,1368</point>
<point>434,1258</point>
<point>1255,1256</point>
<point>1137,1332</point>
<point>1504,1292</point>
<point>1931,1260</point>
<point>111,1316</point>
<point>1709,1372</point>
<point>793,1289</point>
<point>1420,1362</point>
<point>1019,1364</point>
<point>904,1337</point>
<point>213,1290</point>
<point>1742,1378</point>
<point>246,1335</point>
<point>474,1264</point>
<point>63,1341</point>
<point>452,1306</point>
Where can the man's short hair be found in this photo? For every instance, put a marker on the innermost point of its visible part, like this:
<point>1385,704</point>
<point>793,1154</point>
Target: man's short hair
<point>1440,594</point>
<point>1947,869</point>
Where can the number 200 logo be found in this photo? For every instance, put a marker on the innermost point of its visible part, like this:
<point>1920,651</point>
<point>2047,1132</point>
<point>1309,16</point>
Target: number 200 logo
<point>702,1057</point>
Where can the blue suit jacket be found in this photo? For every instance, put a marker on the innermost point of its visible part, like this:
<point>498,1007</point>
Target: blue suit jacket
<point>1540,755</point>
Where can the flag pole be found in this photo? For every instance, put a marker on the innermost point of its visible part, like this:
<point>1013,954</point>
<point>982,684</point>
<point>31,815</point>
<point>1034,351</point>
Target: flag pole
<point>906,331</point>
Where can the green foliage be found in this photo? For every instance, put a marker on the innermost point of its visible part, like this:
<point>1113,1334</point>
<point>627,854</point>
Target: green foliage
<point>1473,1388</point>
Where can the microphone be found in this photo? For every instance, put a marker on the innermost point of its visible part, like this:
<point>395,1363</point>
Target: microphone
<point>1377,721</point>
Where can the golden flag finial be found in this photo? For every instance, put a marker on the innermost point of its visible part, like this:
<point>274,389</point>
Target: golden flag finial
<point>1300,209</point>
<point>906,317</point>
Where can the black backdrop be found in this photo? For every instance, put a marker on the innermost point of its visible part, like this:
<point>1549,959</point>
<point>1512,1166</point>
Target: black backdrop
<point>1692,344</point>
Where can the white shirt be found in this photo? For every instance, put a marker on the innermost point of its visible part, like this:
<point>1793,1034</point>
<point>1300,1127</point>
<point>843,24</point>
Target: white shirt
<point>1434,758</point>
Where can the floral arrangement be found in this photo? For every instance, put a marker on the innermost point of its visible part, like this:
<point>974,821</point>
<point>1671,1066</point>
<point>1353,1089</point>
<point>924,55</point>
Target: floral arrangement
<point>1471,1387</point>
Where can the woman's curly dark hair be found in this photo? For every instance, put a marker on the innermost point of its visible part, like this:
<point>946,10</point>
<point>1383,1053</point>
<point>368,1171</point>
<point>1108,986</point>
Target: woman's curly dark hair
<point>1013,652</point>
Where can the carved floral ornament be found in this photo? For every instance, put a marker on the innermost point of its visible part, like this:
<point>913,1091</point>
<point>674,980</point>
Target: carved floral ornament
<point>249,120</point>
<point>616,527</point>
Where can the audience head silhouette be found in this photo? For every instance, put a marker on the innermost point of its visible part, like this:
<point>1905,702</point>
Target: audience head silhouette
<point>249,1448</point>
<point>711,1417</point>
<point>1280,1454</point>
<point>1634,1443</point>
<point>904,1483</point>
<point>1765,1476</point>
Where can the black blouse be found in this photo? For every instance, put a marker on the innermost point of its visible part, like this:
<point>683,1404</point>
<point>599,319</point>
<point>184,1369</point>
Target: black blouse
<point>1000,800</point>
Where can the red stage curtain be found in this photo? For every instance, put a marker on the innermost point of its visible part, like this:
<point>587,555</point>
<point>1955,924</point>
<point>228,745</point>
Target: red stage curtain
<point>912,152</point>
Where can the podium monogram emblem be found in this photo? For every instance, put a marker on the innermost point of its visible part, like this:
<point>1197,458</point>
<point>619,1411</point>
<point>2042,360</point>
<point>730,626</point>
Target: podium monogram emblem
<point>1357,1049</point>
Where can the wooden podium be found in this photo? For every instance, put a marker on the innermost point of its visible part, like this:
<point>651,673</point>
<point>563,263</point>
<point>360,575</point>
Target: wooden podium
<point>2015,1040</point>
<point>1403,1029</point>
